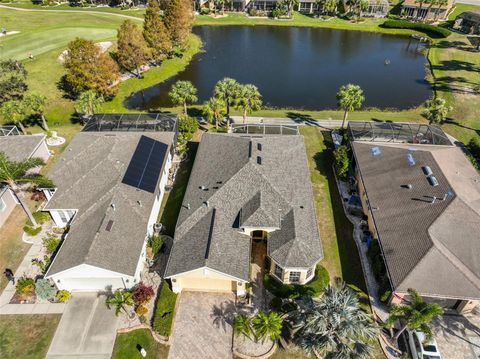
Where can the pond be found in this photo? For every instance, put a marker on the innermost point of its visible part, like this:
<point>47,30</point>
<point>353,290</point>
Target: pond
<point>302,68</point>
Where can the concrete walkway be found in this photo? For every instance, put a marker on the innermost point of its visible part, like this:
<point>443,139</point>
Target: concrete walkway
<point>74,11</point>
<point>87,329</point>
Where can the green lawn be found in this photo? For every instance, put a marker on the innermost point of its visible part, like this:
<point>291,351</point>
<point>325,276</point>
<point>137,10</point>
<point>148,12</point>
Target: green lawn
<point>26,336</point>
<point>126,346</point>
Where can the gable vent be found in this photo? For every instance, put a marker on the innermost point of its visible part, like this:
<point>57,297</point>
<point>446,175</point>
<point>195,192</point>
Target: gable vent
<point>259,160</point>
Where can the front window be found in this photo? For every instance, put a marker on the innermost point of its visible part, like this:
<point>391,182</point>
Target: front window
<point>294,277</point>
<point>278,271</point>
<point>309,272</point>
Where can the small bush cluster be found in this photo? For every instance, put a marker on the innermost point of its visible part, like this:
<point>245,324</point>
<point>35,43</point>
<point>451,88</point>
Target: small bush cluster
<point>25,285</point>
<point>44,289</point>
<point>41,217</point>
<point>32,231</point>
<point>204,11</point>
<point>430,30</point>
<point>63,295</point>
<point>51,243</point>
<point>142,294</point>
<point>379,271</point>
<point>162,321</point>
<point>155,242</point>
<point>341,161</point>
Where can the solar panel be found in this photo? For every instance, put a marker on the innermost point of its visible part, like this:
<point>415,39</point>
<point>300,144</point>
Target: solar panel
<point>146,164</point>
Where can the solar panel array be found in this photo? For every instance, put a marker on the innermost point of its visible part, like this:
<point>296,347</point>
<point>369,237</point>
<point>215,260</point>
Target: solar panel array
<point>146,164</point>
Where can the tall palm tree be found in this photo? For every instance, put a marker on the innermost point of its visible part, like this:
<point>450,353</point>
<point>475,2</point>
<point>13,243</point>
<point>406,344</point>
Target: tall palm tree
<point>227,89</point>
<point>267,325</point>
<point>290,5</point>
<point>248,100</point>
<point>439,3</point>
<point>15,173</point>
<point>89,102</point>
<point>220,3</point>
<point>416,315</point>
<point>214,109</point>
<point>350,98</point>
<point>420,2</point>
<point>36,106</point>
<point>243,325</point>
<point>436,110</point>
<point>14,111</point>
<point>120,299</point>
<point>182,93</point>
<point>333,325</point>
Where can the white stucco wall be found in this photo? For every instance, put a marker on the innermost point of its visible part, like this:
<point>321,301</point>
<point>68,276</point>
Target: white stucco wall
<point>8,201</point>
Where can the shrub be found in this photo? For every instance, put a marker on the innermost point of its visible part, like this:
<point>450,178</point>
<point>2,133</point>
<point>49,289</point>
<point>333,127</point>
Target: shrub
<point>41,217</point>
<point>51,243</point>
<point>187,126</point>
<point>474,146</point>
<point>294,291</point>
<point>142,293</point>
<point>44,290</point>
<point>25,285</point>
<point>32,231</point>
<point>63,295</point>
<point>204,11</point>
<point>430,30</point>
<point>38,196</point>
<point>162,321</point>
<point>155,242</point>
<point>141,310</point>
<point>341,161</point>
<point>252,12</point>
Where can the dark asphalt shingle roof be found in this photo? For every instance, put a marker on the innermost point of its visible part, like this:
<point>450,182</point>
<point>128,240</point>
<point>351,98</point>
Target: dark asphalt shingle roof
<point>21,147</point>
<point>228,180</point>
<point>90,178</point>
<point>427,246</point>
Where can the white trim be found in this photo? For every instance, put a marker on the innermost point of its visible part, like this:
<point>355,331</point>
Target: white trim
<point>88,265</point>
<point>38,146</point>
<point>3,207</point>
<point>213,270</point>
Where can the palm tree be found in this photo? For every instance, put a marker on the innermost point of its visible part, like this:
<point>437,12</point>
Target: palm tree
<point>220,3</point>
<point>227,89</point>
<point>350,98</point>
<point>243,325</point>
<point>36,106</point>
<point>289,5</point>
<point>440,3</point>
<point>248,100</point>
<point>416,315</point>
<point>120,299</point>
<point>183,92</point>
<point>333,325</point>
<point>14,173</point>
<point>214,109</point>
<point>88,103</point>
<point>421,2</point>
<point>267,325</point>
<point>436,110</point>
<point>14,111</point>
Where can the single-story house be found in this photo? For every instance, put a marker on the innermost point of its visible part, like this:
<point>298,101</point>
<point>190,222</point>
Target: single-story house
<point>468,22</point>
<point>245,193</point>
<point>109,183</point>
<point>376,8</point>
<point>18,148</point>
<point>422,198</point>
<point>414,9</point>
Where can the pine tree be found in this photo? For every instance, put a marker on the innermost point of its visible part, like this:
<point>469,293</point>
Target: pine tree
<point>155,32</point>
<point>132,50</point>
<point>178,19</point>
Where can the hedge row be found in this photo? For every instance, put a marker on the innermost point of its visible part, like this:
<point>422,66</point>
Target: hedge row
<point>431,30</point>
<point>165,308</point>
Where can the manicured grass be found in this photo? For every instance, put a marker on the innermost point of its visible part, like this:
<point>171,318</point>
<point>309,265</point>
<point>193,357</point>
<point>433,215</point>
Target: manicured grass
<point>126,346</point>
<point>459,8</point>
<point>341,257</point>
<point>166,70</point>
<point>26,336</point>
<point>164,311</point>
<point>12,248</point>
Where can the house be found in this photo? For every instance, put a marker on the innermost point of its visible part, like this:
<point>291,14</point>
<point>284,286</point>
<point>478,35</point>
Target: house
<point>376,8</point>
<point>468,22</point>
<point>245,194</point>
<point>18,148</point>
<point>422,198</point>
<point>109,183</point>
<point>418,10</point>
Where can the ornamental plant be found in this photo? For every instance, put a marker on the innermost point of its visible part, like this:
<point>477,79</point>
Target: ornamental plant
<point>142,294</point>
<point>25,285</point>
<point>44,289</point>
<point>141,310</point>
<point>63,295</point>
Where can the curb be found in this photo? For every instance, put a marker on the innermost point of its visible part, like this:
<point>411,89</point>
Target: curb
<point>268,354</point>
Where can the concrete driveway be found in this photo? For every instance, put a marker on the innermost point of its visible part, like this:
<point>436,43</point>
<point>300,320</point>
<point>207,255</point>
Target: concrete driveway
<point>203,326</point>
<point>87,329</point>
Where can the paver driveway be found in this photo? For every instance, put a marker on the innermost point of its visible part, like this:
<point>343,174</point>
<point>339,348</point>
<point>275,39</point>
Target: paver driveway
<point>87,329</point>
<point>203,326</point>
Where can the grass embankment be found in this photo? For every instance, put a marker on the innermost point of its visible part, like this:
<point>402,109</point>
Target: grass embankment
<point>26,336</point>
<point>126,346</point>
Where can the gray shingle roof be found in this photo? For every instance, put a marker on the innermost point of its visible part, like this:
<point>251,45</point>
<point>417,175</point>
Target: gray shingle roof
<point>239,190</point>
<point>427,246</point>
<point>21,147</point>
<point>90,178</point>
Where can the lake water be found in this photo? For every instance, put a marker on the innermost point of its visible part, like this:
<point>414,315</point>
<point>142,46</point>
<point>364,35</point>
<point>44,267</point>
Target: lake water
<point>302,68</point>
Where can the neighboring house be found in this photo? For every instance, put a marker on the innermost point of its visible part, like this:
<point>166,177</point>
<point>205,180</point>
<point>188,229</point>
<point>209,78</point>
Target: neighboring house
<point>376,8</point>
<point>305,6</point>
<point>245,194</point>
<point>18,148</point>
<point>422,198</point>
<point>421,10</point>
<point>109,187</point>
<point>468,22</point>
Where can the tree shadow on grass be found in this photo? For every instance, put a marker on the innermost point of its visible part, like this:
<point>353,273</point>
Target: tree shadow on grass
<point>352,272</point>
